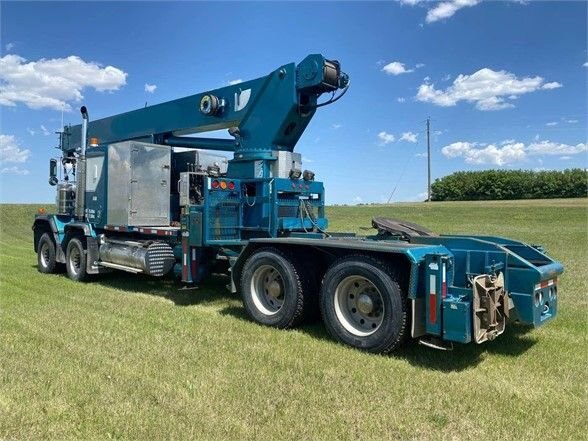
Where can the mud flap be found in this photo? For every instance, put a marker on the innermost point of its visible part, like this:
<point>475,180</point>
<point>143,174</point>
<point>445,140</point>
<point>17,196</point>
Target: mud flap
<point>490,307</point>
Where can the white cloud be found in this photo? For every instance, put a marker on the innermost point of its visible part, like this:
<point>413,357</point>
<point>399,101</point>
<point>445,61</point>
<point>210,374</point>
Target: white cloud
<point>552,123</point>
<point>401,99</point>
<point>386,138</point>
<point>552,85</point>
<point>357,199</point>
<point>421,155</point>
<point>490,154</point>
<point>486,88</point>
<point>409,137</point>
<point>10,150</point>
<point>571,121</point>
<point>396,68</point>
<point>508,153</point>
<point>585,64</point>
<point>565,158</point>
<point>9,46</point>
<point>236,81</point>
<point>447,9</point>
<point>14,171</point>
<point>446,77</point>
<point>419,65</point>
<point>553,148</point>
<point>440,10</point>
<point>44,130</point>
<point>337,126</point>
<point>305,159</point>
<point>150,88</point>
<point>53,83</point>
<point>507,141</point>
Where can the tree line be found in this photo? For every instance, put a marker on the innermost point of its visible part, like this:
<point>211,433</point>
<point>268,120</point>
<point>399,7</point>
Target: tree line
<point>511,184</point>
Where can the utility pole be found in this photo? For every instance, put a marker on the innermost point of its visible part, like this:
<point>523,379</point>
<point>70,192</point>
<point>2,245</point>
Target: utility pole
<point>429,159</point>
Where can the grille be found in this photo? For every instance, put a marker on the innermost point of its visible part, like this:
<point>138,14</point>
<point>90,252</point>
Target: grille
<point>224,216</point>
<point>159,259</point>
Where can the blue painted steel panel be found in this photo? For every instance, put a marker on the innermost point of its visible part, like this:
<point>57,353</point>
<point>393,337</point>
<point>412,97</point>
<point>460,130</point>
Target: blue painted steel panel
<point>457,320</point>
<point>523,266</point>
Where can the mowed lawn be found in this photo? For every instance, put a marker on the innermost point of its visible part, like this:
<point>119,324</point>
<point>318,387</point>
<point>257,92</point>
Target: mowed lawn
<point>128,357</point>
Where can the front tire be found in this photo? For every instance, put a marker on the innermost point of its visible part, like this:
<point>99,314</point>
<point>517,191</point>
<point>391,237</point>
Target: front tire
<point>363,305</point>
<point>271,289</point>
<point>75,258</point>
<point>46,261</point>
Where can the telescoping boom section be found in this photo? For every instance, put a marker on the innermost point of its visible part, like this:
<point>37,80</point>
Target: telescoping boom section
<point>153,192</point>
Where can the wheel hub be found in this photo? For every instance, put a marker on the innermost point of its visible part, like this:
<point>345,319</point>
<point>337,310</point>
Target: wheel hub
<point>267,289</point>
<point>75,261</point>
<point>274,289</point>
<point>365,304</point>
<point>359,305</point>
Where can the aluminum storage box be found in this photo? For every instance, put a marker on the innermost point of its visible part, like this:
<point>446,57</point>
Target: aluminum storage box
<point>138,184</point>
<point>285,161</point>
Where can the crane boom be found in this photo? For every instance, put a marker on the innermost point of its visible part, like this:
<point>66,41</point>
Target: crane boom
<point>265,114</point>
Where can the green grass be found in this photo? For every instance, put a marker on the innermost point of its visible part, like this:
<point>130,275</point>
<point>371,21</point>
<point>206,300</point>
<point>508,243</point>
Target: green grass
<point>129,357</point>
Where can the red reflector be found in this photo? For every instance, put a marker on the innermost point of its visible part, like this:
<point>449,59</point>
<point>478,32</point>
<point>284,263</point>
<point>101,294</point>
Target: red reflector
<point>215,184</point>
<point>231,185</point>
<point>432,308</point>
<point>444,290</point>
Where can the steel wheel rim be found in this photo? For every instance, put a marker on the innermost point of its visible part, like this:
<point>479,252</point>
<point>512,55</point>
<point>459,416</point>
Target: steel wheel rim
<point>267,289</point>
<point>359,306</point>
<point>44,254</point>
<point>75,260</point>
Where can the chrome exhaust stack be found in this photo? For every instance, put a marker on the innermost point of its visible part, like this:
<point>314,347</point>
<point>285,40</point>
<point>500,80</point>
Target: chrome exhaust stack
<point>81,169</point>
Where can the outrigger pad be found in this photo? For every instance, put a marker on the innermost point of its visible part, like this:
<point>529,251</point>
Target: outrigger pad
<point>398,227</point>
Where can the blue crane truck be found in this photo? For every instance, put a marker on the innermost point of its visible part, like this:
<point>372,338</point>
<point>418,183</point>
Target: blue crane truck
<point>135,193</point>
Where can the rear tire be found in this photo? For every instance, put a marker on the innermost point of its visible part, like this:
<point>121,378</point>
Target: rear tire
<point>363,305</point>
<point>75,258</point>
<point>46,262</point>
<point>272,289</point>
<point>310,276</point>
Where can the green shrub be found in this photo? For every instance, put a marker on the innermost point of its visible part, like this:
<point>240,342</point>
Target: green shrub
<point>511,184</point>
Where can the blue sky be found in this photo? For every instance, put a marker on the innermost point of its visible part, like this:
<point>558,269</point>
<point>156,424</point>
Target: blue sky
<point>503,82</point>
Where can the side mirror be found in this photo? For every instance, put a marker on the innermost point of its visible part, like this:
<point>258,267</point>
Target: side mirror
<point>53,172</point>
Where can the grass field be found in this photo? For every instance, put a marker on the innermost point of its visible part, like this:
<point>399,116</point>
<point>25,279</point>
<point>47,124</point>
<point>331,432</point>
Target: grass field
<point>129,357</point>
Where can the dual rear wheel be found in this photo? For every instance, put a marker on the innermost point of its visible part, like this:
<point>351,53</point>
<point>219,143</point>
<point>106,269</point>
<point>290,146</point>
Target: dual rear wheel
<point>361,301</point>
<point>75,257</point>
